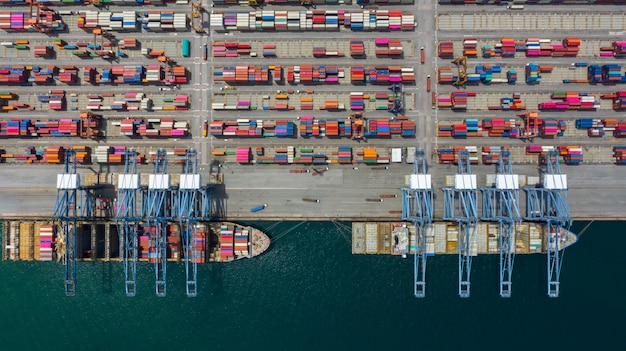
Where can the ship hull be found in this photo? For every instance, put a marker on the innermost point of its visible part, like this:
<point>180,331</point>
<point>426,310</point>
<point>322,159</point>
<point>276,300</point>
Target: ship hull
<point>442,238</point>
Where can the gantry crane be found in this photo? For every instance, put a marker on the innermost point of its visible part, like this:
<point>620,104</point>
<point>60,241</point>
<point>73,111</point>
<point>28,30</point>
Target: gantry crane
<point>35,13</point>
<point>461,65</point>
<point>501,203</point>
<point>531,125</point>
<point>105,54</point>
<point>191,206</point>
<point>196,16</point>
<point>66,213</point>
<point>462,198</point>
<point>396,106</point>
<point>417,206</point>
<point>358,125</point>
<point>156,213</point>
<point>127,218</point>
<point>549,204</point>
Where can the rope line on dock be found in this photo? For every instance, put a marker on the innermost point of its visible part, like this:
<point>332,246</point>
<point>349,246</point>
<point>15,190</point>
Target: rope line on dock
<point>585,228</point>
<point>340,227</point>
<point>282,234</point>
<point>267,230</point>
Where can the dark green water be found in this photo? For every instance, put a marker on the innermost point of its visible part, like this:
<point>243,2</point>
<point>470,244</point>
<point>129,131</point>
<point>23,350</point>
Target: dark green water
<point>309,293</point>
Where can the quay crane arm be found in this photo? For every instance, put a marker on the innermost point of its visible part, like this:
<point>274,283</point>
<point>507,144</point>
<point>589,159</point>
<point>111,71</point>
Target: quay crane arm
<point>501,204</point>
<point>549,203</point>
<point>189,210</point>
<point>156,211</point>
<point>417,206</point>
<point>66,214</point>
<point>462,198</point>
<point>127,218</point>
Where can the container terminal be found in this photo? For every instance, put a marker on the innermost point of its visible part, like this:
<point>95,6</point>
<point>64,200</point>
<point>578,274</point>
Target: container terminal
<point>399,123</point>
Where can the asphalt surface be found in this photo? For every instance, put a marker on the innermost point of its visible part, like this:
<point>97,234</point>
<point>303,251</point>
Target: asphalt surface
<point>344,192</point>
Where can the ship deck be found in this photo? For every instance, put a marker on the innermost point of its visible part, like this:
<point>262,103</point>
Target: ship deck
<point>372,238</point>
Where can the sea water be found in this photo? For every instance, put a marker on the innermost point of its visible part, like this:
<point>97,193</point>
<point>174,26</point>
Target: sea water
<point>308,292</point>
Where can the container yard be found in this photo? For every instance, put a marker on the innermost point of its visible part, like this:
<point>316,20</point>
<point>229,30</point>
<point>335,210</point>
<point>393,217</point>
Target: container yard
<point>300,112</point>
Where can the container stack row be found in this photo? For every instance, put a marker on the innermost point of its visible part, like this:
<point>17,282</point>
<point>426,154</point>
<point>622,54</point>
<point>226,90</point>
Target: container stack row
<point>48,22</point>
<point>109,154</point>
<point>324,20</point>
<point>598,127</point>
<point>321,52</point>
<point>111,21</point>
<point>314,74</point>
<point>227,252</point>
<point>13,75</point>
<point>570,100</point>
<point>619,152</point>
<point>63,127</point>
<point>243,74</point>
<point>491,154</point>
<point>386,47</point>
<point>357,48</point>
<point>605,74</point>
<point>230,49</point>
<point>450,155</point>
<point>173,242</point>
<point>164,20</point>
<point>152,127</point>
<point>532,2</point>
<point>252,128</point>
<point>382,74</point>
<point>198,252</point>
<point>46,241</point>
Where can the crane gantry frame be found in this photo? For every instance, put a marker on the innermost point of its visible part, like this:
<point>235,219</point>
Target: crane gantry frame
<point>463,198</point>
<point>417,206</point>
<point>501,204</point>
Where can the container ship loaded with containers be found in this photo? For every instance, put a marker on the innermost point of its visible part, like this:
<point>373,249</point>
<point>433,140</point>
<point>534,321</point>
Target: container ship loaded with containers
<point>214,242</point>
<point>398,238</point>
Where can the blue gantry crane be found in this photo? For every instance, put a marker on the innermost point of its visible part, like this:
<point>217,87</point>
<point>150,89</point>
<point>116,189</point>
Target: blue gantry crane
<point>501,204</point>
<point>417,207</point>
<point>460,205</point>
<point>127,218</point>
<point>191,206</point>
<point>67,213</point>
<point>156,211</point>
<point>549,204</point>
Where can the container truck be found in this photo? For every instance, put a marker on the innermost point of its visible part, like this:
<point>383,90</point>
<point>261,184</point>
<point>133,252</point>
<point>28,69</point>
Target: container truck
<point>258,208</point>
<point>428,83</point>
<point>422,54</point>
<point>185,47</point>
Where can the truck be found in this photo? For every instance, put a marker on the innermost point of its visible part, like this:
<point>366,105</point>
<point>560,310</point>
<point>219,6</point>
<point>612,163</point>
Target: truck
<point>185,44</point>
<point>258,208</point>
<point>410,154</point>
<point>205,52</point>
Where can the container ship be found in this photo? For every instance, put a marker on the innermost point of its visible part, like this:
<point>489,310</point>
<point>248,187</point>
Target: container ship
<point>398,238</point>
<point>214,242</point>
